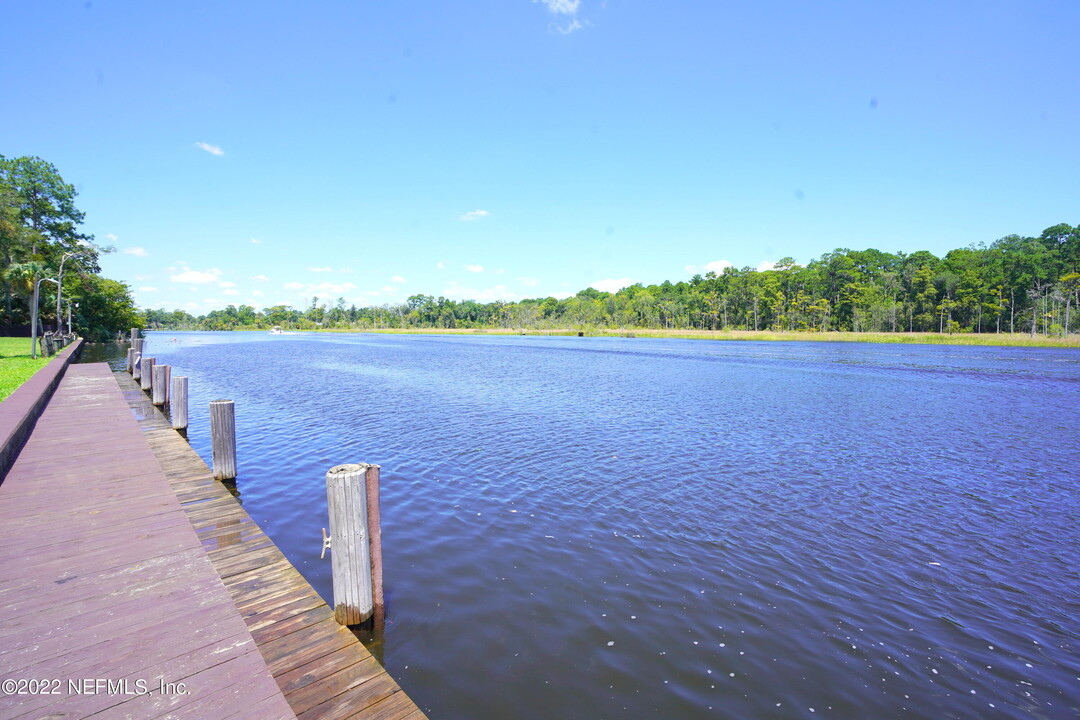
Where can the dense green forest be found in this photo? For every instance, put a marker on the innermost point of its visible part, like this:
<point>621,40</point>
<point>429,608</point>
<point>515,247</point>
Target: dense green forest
<point>41,244</point>
<point>1014,284</point>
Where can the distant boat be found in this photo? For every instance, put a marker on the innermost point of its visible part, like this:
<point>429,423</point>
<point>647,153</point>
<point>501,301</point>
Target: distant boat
<point>277,330</point>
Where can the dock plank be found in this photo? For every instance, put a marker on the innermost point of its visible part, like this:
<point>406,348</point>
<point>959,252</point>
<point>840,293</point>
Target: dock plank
<point>322,669</point>
<point>103,577</point>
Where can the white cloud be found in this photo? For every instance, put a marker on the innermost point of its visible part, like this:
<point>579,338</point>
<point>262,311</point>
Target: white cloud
<point>566,9</point>
<point>345,270</point>
<point>226,284</point>
<point>475,268</point>
<point>475,215</point>
<point>320,269</point>
<point>765,265</point>
<point>716,266</point>
<point>212,149</point>
<point>194,277</point>
<point>573,25</point>
<point>255,241</point>
<point>561,295</point>
<point>230,291</point>
<point>257,293</point>
<point>528,281</point>
<point>293,286</point>
<point>612,285</point>
<point>263,278</point>
<point>500,271</point>
<point>397,279</point>
<point>389,289</point>
<point>561,7</point>
<point>135,250</point>
<point>111,237</point>
<point>148,289</point>
<point>440,265</point>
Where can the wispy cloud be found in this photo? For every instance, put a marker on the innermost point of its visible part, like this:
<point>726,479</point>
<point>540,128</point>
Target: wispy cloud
<point>187,276</point>
<point>255,241</point>
<point>475,268</point>
<point>111,237</point>
<point>475,215</point>
<point>765,265</point>
<point>397,279</point>
<point>565,10</point>
<point>262,278</point>
<point>440,265</point>
<point>231,291</point>
<point>612,286</point>
<point>227,284</point>
<point>135,250</point>
<point>320,269</point>
<point>148,289</point>
<point>212,149</point>
<point>528,281</point>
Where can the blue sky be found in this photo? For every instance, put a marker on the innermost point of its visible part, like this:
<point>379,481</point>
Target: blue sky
<point>267,152</point>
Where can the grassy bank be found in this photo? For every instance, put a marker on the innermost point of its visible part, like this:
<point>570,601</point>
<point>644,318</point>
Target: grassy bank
<point>16,365</point>
<point>1001,339</point>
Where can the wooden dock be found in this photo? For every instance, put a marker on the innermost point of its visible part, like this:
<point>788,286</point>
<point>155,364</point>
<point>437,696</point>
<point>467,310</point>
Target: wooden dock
<point>93,557</point>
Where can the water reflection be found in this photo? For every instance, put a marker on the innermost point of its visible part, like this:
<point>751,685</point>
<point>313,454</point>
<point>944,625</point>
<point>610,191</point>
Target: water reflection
<point>583,528</point>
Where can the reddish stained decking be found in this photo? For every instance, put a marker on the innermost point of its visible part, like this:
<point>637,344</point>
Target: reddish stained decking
<point>122,559</point>
<point>103,578</point>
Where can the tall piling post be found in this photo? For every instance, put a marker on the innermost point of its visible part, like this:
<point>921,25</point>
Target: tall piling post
<point>371,481</point>
<point>223,439</point>
<point>350,554</point>
<point>160,385</point>
<point>147,379</point>
<point>178,402</point>
<point>134,336</point>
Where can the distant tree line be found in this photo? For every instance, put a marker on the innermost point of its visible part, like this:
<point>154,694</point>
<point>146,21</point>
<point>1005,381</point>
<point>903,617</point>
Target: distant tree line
<point>41,244</point>
<point>1015,284</point>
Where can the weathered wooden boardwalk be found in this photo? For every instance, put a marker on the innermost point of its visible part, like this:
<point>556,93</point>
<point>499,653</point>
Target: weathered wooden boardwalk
<point>102,579</point>
<point>320,668</point>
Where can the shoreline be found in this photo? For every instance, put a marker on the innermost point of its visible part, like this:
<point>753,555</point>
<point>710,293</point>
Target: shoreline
<point>984,339</point>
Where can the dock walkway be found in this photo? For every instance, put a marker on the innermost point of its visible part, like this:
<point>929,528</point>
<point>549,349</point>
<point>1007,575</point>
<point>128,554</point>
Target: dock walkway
<point>122,560</point>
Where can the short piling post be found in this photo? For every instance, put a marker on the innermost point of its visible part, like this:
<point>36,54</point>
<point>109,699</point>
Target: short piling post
<point>147,378</point>
<point>371,480</point>
<point>346,498</point>
<point>160,385</point>
<point>223,439</point>
<point>136,365</point>
<point>178,402</point>
<point>130,361</point>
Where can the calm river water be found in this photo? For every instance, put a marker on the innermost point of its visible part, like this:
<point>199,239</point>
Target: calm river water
<point>613,528</point>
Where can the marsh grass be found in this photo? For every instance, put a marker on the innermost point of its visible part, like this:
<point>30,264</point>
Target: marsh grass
<point>999,339</point>
<point>16,365</point>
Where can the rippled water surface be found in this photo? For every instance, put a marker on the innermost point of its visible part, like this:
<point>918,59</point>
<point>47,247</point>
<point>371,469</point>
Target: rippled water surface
<point>631,528</point>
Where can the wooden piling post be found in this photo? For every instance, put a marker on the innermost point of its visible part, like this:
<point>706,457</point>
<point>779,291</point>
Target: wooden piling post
<point>147,379</point>
<point>178,402</point>
<point>346,498</point>
<point>136,365</point>
<point>130,361</point>
<point>138,345</point>
<point>134,335</point>
<point>223,439</point>
<point>371,481</point>
<point>160,385</point>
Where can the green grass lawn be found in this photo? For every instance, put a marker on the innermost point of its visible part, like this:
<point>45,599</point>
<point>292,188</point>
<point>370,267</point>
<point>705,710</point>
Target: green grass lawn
<point>16,366</point>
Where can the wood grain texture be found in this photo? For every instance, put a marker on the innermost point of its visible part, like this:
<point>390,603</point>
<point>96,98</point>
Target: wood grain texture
<point>323,670</point>
<point>103,577</point>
